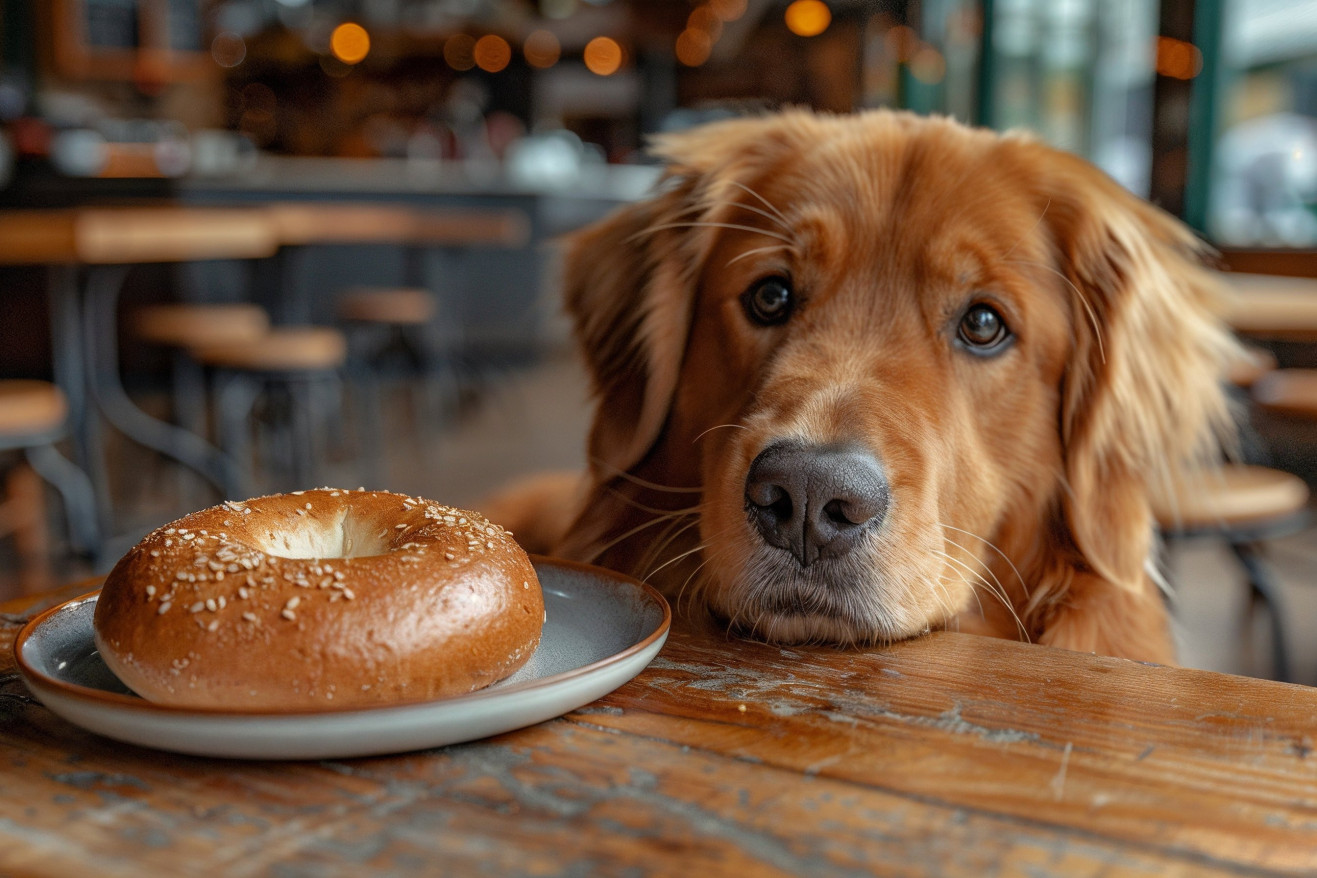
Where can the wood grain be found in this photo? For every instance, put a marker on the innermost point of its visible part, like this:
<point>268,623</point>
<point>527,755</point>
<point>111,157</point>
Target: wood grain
<point>948,755</point>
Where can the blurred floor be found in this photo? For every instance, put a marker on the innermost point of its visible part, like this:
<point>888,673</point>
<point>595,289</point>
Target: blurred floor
<point>527,420</point>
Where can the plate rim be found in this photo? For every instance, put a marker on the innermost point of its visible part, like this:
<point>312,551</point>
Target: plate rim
<point>33,677</point>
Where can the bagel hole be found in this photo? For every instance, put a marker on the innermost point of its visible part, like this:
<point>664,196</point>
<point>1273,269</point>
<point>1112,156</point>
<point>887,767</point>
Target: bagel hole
<point>346,536</point>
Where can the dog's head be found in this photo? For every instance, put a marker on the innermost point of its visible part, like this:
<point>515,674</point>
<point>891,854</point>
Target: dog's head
<point>853,369</point>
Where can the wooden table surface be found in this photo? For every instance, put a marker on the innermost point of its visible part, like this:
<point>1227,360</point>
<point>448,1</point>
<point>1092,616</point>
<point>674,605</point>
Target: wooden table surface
<point>947,755</point>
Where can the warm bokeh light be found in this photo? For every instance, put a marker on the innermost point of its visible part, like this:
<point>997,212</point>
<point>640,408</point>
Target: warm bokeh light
<point>928,66</point>
<point>459,51</point>
<point>693,47</point>
<point>492,53</point>
<point>603,56</point>
<point>228,49</point>
<point>542,49</point>
<point>350,43</point>
<point>808,18</point>
<point>1178,59</point>
<point>703,18</point>
<point>728,10</point>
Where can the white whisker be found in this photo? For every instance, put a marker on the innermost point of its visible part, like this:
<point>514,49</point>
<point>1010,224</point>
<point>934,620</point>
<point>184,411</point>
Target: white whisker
<point>616,473</point>
<point>778,214</point>
<point>705,224</point>
<point>755,251</point>
<point>1024,585</point>
<point>1083,300</point>
<point>599,550</point>
<point>718,427</point>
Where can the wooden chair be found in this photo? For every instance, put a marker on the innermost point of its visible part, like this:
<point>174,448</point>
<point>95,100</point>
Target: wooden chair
<point>33,417</point>
<point>290,368</point>
<point>1243,506</point>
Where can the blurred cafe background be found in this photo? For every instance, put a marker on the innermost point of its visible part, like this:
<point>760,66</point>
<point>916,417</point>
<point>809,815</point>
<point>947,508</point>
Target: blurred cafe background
<point>257,245</point>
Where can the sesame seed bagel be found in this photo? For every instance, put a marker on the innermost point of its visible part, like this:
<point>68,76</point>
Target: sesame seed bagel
<point>319,599</point>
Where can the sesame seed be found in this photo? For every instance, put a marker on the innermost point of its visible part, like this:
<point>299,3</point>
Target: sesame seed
<point>189,536</point>
<point>197,607</point>
<point>150,591</point>
<point>288,614</point>
<point>347,593</point>
<point>250,617</point>
<point>213,625</point>
<point>164,608</point>
<point>308,506</point>
<point>293,602</point>
<point>155,553</point>
<point>525,585</point>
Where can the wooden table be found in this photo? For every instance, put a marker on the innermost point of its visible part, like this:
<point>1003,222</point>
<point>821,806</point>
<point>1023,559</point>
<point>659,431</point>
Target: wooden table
<point>89,252</point>
<point>947,755</point>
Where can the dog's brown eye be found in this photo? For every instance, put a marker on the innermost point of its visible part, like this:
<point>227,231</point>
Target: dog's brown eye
<point>983,330</point>
<point>770,301</point>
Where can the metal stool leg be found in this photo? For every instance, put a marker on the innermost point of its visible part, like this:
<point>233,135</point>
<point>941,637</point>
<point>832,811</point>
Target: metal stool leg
<point>1264,589</point>
<point>75,487</point>
<point>235,395</point>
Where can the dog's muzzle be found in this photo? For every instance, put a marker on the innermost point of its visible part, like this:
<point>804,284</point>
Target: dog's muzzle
<point>815,501</point>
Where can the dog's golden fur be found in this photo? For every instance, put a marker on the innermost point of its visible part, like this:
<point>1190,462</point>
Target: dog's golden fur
<point>1019,480</point>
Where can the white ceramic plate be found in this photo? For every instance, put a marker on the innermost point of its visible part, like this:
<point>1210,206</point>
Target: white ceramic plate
<point>602,629</point>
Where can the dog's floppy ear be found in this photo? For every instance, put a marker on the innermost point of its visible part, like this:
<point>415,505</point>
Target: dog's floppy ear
<point>629,294</point>
<point>629,280</point>
<point>1142,396</point>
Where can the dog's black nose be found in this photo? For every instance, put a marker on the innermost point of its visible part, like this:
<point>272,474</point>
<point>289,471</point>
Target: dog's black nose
<point>815,501</point>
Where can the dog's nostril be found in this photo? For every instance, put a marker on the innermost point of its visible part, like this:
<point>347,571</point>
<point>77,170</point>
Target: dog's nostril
<point>815,501</point>
<point>766,494</point>
<point>836,512</point>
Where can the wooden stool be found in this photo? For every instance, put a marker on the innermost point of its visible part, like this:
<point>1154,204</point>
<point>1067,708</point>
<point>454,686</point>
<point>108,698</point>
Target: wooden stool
<point>1244,506</point>
<point>1290,392</point>
<point>33,417</point>
<point>388,328</point>
<point>292,364</point>
<point>183,327</point>
<point>1272,306</point>
<point>1252,363</point>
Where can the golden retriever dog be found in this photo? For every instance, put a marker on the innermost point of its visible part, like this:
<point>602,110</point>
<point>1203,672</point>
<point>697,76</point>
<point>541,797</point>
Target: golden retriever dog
<point>859,377</point>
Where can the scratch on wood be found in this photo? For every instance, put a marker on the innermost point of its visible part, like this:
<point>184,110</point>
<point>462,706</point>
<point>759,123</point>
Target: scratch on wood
<point>1058,782</point>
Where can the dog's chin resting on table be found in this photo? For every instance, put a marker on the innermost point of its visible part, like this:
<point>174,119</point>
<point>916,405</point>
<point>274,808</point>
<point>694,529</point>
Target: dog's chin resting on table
<point>858,377</point>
